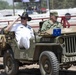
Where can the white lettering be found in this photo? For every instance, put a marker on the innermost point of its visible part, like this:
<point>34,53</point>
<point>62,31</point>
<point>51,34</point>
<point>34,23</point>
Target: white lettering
<point>68,59</point>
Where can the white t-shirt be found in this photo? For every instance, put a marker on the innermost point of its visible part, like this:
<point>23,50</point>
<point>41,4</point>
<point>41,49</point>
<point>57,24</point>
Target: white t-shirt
<point>21,30</point>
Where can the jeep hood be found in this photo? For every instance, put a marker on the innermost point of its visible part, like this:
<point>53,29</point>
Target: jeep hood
<point>63,31</point>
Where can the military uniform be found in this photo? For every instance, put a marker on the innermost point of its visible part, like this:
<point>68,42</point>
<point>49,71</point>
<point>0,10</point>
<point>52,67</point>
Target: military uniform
<point>23,32</point>
<point>50,24</point>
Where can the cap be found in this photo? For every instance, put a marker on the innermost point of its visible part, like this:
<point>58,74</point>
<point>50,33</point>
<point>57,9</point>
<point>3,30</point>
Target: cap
<point>25,15</point>
<point>54,14</point>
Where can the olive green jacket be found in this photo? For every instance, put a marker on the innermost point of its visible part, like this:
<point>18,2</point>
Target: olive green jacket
<point>49,24</point>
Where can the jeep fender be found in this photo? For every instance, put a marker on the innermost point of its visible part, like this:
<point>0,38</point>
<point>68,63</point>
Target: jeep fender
<point>56,48</point>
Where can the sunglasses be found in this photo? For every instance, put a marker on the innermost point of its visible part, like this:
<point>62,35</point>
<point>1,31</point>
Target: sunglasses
<point>24,18</point>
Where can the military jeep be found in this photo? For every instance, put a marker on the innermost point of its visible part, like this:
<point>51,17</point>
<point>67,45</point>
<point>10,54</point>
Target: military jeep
<point>50,52</point>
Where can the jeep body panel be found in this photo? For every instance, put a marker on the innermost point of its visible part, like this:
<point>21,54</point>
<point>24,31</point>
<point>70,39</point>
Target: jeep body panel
<point>63,31</point>
<point>32,54</point>
<point>22,53</point>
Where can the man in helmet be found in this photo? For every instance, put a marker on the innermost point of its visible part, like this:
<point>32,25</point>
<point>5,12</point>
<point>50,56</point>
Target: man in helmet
<point>23,31</point>
<point>52,22</point>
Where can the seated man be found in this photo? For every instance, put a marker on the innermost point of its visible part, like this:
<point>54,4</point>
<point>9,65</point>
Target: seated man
<point>23,31</point>
<point>52,22</point>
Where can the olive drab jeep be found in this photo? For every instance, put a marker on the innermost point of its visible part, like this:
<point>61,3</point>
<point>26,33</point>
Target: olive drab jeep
<point>51,52</point>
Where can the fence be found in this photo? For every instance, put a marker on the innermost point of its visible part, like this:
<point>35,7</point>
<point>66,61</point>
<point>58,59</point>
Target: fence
<point>35,22</point>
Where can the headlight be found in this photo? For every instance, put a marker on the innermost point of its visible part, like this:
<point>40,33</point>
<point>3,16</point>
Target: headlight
<point>61,40</point>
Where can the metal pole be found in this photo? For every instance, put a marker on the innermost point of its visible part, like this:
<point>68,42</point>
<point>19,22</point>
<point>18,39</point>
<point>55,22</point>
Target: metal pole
<point>48,5</point>
<point>13,9</point>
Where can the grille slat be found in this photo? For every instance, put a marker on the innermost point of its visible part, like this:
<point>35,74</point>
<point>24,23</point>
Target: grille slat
<point>70,44</point>
<point>74,44</point>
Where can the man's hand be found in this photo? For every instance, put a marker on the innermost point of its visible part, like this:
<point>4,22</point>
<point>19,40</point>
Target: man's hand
<point>10,25</point>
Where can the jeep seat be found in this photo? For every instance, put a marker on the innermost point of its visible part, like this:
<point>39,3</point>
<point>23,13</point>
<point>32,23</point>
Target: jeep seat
<point>40,25</point>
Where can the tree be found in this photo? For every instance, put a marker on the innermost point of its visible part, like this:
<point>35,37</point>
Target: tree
<point>54,4</point>
<point>20,5</point>
<point>3,4</point>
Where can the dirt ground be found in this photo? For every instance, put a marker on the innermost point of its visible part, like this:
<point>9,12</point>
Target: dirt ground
<point>24,70</point>
<point>28,70</point>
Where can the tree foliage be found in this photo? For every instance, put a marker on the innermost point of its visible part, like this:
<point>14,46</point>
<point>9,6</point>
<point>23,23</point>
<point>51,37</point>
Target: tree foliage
<point>60,4</point>
<point>4,4</point>
<point>19,5</point>
<point>53,4</point>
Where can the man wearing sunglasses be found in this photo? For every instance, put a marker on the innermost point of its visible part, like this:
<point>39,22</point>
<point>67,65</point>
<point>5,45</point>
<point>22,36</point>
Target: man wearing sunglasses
<point>23,31</point>
<point>52,22</point>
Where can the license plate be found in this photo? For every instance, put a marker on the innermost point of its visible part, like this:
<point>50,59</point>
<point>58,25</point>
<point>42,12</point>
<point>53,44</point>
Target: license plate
<point>68,59</point>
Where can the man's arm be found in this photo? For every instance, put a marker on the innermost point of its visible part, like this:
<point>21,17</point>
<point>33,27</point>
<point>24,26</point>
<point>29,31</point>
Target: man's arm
<point>10,25</point>
<point>46,25</point>
<point>60,25</point>
<point>43,27</point>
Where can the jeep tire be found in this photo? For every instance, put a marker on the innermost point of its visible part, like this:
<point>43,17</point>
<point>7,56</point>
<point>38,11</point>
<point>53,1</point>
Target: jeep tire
<point>11,66</point>
<point>48,63</point>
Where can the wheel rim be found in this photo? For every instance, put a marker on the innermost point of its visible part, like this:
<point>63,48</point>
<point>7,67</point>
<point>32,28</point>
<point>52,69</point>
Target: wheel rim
<point>46,65</point>
<point>9,65</point>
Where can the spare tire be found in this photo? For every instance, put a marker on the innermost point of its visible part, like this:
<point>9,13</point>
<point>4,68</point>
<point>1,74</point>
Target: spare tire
<point>68,16</point>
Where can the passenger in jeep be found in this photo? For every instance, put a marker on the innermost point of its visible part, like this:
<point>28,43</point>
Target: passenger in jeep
<point>23,31</point>
<point>52,22</point>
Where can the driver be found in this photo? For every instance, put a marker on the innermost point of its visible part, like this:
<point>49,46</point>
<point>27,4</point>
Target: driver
<point>52,22</point>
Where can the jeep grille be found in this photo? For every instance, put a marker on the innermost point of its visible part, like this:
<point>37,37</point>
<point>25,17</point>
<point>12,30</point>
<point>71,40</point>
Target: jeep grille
<point>70,44</point>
